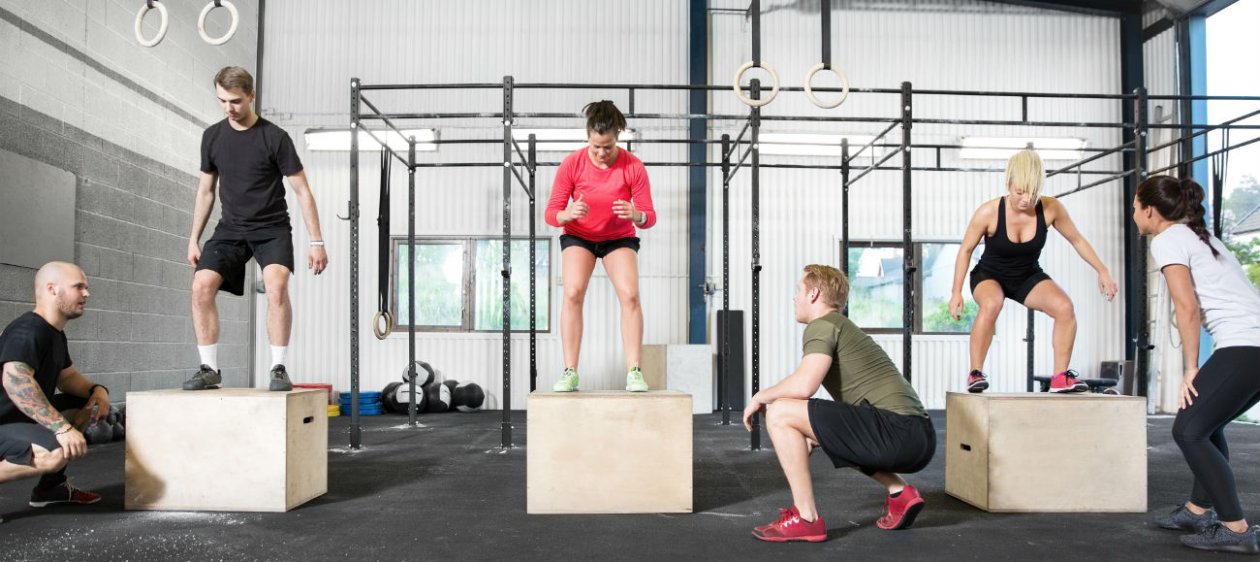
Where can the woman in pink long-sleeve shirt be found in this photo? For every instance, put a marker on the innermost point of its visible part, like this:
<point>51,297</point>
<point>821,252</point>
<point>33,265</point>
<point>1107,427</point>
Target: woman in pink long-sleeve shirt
<point>601,194</point>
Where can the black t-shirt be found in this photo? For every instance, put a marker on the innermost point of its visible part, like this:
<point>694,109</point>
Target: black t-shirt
<point>251,165</point>
<point>33,341</point>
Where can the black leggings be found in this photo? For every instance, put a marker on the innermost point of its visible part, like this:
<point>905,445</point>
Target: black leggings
<point>1228,385</point>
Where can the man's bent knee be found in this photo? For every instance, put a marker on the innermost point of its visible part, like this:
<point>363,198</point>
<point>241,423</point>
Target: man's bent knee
<point>48,461</point>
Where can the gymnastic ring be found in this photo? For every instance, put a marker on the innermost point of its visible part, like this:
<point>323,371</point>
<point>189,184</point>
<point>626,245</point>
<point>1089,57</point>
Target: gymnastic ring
<point>144,9</point>
<point>809,90</point>
<point>774,90</point>
<point>201,22</point>
<point>382,332</point>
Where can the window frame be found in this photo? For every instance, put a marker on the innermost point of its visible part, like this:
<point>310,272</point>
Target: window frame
<point>468,283</point>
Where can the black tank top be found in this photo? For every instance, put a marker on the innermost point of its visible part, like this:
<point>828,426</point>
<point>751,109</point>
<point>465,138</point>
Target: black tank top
<point>1004,256</point>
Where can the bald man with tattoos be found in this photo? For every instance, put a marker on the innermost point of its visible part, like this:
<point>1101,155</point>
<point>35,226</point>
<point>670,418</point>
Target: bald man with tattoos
<point>34,437</point>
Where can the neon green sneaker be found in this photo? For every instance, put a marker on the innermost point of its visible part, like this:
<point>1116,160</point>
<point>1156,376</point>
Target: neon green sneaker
<point>568,381</point>
<point>635,382</point>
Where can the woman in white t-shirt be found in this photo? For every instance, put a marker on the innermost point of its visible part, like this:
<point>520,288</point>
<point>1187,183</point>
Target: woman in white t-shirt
<point>1208,289</point>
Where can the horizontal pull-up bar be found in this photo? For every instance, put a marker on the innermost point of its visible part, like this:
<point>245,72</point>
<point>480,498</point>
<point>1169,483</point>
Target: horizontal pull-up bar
<point>1203,156</point>
<point>724,87</point>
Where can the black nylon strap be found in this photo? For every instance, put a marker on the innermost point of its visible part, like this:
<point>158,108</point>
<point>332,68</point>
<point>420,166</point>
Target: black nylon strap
<point>382,223</point>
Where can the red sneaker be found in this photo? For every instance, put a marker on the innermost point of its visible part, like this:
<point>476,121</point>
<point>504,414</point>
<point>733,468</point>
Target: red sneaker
<point>899,512</point>
<point>790,527</point>
<point>1066,381</point>
<point>977,382</point>
<point>65,493</point>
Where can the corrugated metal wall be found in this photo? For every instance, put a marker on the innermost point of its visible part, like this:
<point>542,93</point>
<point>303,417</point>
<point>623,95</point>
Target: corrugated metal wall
<point>935,45</point>
<point>310,56</point>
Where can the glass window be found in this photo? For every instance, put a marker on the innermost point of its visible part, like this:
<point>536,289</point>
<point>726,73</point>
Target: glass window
<point>936,271</point>
<point>875,287</point>
<point>459,284</point>
<point>439,284</point>
<point>488,289</point>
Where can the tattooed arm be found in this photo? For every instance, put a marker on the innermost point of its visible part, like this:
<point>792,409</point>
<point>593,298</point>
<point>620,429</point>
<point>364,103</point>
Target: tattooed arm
<point>19,383</point>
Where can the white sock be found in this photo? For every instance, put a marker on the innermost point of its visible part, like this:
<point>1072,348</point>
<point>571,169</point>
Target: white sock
<point>277,354</point>
<point>209,355</point>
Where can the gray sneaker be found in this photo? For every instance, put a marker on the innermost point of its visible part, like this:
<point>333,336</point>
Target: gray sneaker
<point>1182,519</point>
<point>205,379</point>
<point>280,379</point>
<point>1218,538</point>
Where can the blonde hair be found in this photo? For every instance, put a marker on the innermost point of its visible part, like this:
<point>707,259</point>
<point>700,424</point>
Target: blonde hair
<point>1024,170</point>
<point>830,282</point>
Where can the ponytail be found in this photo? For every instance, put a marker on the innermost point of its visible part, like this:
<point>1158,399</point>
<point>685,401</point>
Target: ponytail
<point>603,116</point>
<point>1194,216</point>
<point>1179,200</point>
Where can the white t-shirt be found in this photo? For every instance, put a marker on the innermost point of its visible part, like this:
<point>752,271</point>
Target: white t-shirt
<point>1230,303</point>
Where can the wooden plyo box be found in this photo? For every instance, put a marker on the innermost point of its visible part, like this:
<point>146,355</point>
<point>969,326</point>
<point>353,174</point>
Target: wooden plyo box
<point>1042,452</point>
<point>609,452</point>
<point>229,449</point>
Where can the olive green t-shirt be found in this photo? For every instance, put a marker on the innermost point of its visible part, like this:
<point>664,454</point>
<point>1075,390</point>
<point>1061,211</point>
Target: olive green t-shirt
<point>860,370</point>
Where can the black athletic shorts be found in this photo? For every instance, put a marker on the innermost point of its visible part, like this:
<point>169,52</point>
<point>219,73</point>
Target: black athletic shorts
<point>227,253</point>
<point>600,249</point>
<point>870,439</point>
<point>1015,287</point>
<point>16,440</point>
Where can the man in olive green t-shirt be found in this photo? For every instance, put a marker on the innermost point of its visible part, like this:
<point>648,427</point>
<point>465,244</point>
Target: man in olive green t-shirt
<point>875,422</point>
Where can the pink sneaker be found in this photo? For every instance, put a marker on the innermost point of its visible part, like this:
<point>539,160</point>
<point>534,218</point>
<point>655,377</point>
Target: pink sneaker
<point>1067,381</point>
<point>977,382</point>
<point>790,527</point>
<point>899,512</point>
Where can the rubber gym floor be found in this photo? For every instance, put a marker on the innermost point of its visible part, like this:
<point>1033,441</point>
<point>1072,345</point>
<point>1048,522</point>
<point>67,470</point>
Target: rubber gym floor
<point>447,491</point>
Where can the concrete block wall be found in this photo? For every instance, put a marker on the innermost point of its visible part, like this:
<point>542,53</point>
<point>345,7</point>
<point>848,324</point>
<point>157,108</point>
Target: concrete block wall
<point>78,92</point>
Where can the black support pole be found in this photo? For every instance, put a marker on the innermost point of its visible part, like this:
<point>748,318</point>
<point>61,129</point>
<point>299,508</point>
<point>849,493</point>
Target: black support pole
<point>1030,334</point>
<point>533,267</point>
<point>844,212</point>
<point>1142,345</point>
<point>907,247</point>
<point>356,432</point>
<point>755,130</point>
<point>698,174</point>
<point>506,272</point>
<point>724,382</point>
<point>411,278</point>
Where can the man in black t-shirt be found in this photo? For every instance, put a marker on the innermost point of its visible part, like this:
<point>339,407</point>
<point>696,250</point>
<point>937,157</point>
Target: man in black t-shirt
<point>247,157</point>
<point>34,437</point>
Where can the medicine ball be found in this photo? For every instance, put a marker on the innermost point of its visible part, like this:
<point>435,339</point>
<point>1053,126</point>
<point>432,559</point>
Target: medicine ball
<point>402,395</point>
<point>438,397</point>
<point>424,373</point>
<point>468,397</point>
<point>388,400</point>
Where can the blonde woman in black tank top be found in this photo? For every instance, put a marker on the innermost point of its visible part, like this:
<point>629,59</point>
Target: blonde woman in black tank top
<point>1014,228</point>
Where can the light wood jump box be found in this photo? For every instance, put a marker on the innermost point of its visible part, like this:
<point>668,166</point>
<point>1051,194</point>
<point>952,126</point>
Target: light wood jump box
<point>609,452</point>
<point>229,449</point>
<point>1042,452</point>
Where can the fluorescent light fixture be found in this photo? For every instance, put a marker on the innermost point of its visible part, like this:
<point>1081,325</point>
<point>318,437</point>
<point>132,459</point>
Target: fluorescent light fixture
<point>812,144</point>
<point>562,140</point>
<point>339,139</point>
<point>1002,148</point>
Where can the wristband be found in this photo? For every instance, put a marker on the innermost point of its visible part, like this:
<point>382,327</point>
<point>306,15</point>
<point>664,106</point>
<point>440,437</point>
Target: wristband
<point>64,430</point>
<point>92,390</point>
<point>317,243</point>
